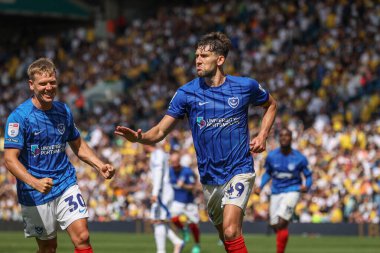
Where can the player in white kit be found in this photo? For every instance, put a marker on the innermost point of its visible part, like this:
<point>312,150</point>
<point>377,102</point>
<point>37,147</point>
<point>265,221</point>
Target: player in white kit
<point>162,197</point>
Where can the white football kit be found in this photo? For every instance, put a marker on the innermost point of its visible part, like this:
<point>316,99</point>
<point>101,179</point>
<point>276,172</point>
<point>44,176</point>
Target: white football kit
<point>162,188</point>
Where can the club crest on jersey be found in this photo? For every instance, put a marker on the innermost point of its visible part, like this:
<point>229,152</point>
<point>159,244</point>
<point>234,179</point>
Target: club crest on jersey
<point>13,129</point>
<point>233,102</point>
<point>35,150</point>
<point>61,128</point>
<point>291,166</point>
<point>201,122</point>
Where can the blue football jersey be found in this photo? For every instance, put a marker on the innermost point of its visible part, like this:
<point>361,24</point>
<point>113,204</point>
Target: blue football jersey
<point>218,118</point>
<point>285,171</point>
<point>41,137</point>
<point>187,176</point>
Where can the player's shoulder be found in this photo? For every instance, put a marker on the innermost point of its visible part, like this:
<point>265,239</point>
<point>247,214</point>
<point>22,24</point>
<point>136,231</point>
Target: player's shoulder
<point>187,170</point>
<point>243,80</point>
<point>274,152</point>
<point>299,154</point>
<point>193,85</point>
<point>158,154</point>
<point>23,110</point>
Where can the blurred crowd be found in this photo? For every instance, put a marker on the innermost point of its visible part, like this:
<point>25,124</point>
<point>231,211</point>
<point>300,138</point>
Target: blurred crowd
<point>319,59</point>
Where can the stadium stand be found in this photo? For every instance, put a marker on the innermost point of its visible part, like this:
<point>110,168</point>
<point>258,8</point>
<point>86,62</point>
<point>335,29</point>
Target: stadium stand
<point>319,59</point>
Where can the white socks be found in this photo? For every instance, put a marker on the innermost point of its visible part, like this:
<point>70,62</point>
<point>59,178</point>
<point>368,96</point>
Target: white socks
<point>160,232</point>
<point>173,237</point>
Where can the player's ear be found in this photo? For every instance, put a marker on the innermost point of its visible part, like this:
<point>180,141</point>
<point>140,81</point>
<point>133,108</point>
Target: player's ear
<point>30,82</point>
<point>221,59</point>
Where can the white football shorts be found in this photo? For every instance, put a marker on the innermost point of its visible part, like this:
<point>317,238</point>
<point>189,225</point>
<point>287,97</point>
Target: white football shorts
<point>235,192</point>
<point>282,205</point>
<point>160,210</point>
<point>42,221</point>
<point>190,210</point>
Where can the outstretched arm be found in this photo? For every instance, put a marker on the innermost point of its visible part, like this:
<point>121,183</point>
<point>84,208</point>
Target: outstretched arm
<point>15,167</point>
<point>258,144</point>
<point>264,180</point>
<point>87,155</point>
<point>152,136</point>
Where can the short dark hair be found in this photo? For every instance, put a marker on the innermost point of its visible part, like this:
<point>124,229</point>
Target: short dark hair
<point>218,42</point>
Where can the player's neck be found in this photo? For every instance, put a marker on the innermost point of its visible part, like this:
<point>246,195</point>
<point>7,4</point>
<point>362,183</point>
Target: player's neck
<point>286,150</point>
<point>217,80</point>
<point>41,105</point>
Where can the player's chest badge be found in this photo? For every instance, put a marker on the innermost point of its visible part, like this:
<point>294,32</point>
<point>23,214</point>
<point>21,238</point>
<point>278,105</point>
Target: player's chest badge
<point>291,166</point>
<point>233,102</point>
<point>61,128</point>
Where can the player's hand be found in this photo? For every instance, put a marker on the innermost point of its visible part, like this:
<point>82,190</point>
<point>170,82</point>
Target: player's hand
<point>153,199</point>
<point>107,171</point>
<point>303,188</point>
<point>43,185</point>
<point>257,190</point>
<point>180,183</point>
<point>258,144</point>
<point>129,134</point>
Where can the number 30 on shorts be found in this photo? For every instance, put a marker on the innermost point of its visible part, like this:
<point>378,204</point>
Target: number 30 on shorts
<point>73,203</point>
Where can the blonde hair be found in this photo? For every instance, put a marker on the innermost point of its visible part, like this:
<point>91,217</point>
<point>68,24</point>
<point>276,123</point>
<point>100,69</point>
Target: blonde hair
<point>41,65</point>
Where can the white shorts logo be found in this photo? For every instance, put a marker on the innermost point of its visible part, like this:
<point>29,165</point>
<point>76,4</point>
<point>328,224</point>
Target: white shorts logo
<point>233,102</point>
<point>13,129</point>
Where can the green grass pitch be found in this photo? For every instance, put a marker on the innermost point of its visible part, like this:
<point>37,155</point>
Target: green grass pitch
<point>14,242</point>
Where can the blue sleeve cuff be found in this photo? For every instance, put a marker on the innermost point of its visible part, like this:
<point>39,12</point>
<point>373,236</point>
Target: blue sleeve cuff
<point>12,146</point>
<point>174,115</point>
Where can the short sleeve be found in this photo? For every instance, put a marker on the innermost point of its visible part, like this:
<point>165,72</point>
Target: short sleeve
<point>305,167</point>
<point>258,95</point>
<point>14,132</point>
<point>191,177</point>
<point>177,106</point>
<point>268,166</point>
<point>73,131</point>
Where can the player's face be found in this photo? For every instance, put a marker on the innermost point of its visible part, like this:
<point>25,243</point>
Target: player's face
<point>44,87</point>
<point>207,61</point>
<point>175,161</point>
<point>285,138</point>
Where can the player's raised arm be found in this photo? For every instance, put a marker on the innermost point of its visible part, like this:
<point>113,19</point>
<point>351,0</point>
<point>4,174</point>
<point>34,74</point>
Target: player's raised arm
<point>258,144</point>
<point>152,136</point>
<point>87,155</point>
<point>15,167</point>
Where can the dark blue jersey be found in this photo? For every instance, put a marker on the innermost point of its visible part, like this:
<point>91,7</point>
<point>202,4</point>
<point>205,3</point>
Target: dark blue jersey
<point>218,118</point>
<point>41,136</point>
<point>185,175</point>
<point>285,171</point>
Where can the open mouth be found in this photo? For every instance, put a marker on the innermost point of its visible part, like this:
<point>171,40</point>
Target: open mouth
<point>49,95</point>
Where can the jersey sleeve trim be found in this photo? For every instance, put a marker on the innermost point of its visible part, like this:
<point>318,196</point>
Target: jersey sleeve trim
<point>74,138</point>
<point>8,145</point>
<point>177,116</point>
<point>266,99</point>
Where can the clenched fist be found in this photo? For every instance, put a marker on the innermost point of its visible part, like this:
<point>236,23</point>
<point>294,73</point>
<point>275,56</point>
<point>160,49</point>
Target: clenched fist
<point>43,185</point>
<point>107,171</point>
